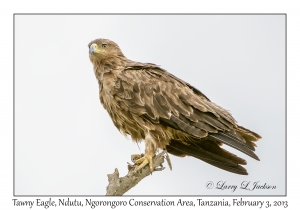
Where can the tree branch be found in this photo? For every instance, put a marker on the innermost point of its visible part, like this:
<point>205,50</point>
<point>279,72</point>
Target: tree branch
<point>119,186</point>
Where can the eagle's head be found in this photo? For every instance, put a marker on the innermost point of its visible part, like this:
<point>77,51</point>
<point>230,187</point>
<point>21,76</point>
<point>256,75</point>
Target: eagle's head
<point>103,49</point>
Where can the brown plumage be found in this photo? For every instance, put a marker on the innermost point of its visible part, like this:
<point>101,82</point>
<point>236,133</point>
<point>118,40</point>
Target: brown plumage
<point>147,103</point>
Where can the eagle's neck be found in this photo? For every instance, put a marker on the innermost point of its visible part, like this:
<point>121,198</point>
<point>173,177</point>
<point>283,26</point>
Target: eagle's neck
<point>108,65</point>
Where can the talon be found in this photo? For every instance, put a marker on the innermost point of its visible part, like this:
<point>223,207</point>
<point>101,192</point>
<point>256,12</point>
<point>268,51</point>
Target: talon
<point>143,161</point>
<point>135,157</point>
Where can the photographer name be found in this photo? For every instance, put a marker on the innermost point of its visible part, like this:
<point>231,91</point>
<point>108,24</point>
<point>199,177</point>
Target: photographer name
<point>245,185</point>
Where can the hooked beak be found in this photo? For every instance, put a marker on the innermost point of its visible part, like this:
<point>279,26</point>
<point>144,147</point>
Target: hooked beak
<point>94,49</point>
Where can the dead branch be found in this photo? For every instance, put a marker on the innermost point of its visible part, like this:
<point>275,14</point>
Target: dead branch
<point>118,186</point>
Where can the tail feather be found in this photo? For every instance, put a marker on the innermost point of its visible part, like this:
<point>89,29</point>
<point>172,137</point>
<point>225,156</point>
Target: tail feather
<point>228,163</point>
<point>222,137</point>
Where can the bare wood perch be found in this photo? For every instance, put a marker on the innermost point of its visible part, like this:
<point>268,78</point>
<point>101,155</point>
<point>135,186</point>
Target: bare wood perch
<point>118,186</point>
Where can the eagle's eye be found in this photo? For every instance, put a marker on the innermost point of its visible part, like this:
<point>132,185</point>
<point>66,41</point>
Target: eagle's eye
<point>104,46</point>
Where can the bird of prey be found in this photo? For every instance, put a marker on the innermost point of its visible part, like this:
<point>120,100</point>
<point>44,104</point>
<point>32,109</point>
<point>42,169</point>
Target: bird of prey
<point>148,103</point>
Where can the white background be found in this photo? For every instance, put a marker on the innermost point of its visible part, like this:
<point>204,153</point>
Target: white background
<point>217,6</point>
<point>65,142</point>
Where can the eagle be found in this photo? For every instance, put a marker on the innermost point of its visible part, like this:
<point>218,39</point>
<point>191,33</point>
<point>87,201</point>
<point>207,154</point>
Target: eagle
<point>150,104</point>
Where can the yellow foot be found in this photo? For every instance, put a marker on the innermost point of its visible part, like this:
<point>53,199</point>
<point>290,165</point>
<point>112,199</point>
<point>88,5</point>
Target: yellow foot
<point>142,161</point>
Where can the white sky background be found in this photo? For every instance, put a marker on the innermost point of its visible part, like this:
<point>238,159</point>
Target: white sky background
<point>66,143</point>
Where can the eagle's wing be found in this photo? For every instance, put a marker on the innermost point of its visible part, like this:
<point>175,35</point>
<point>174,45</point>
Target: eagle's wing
<point>199,126</point>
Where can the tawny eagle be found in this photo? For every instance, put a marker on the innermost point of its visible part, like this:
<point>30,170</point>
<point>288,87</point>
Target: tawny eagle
<point>148,103</point>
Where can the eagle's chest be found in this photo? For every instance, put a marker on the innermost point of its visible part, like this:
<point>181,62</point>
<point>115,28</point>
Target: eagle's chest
<point>108,96</point>
<point>111,92</point>
<point>107,91</point>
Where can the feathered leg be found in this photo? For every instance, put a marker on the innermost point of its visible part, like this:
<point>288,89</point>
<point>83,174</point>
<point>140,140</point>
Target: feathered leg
<point>143,160</point>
